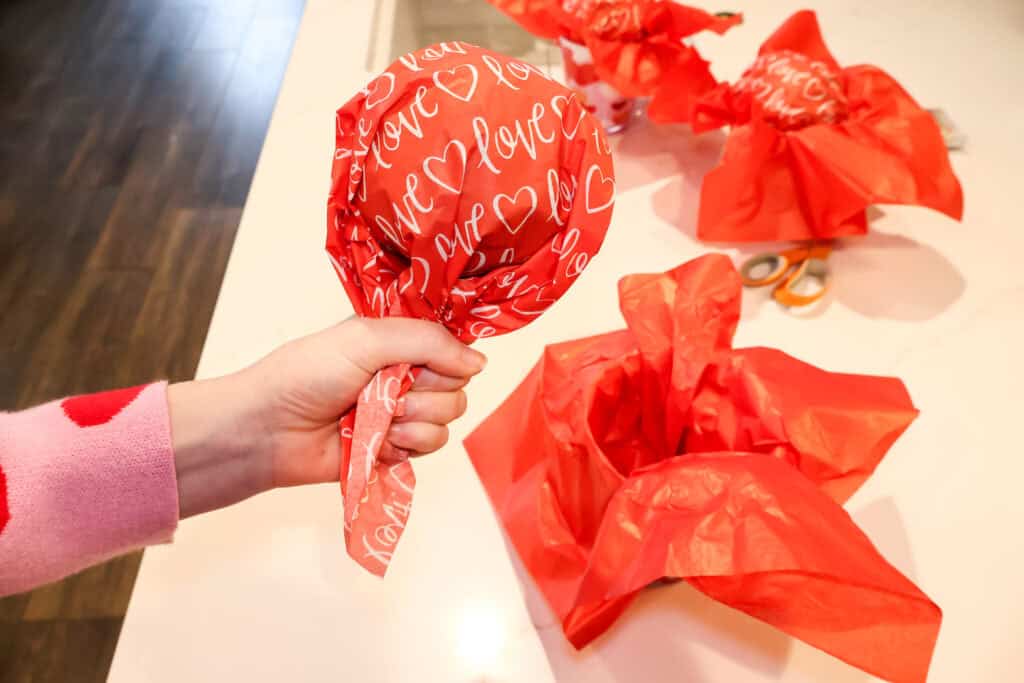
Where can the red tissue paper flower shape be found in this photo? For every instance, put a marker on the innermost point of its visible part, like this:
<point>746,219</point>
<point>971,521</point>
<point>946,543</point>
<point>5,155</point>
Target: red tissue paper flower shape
<point>811,144</point>
<point>467,189</point>
<point>660,451</point>
<point>637,45</point>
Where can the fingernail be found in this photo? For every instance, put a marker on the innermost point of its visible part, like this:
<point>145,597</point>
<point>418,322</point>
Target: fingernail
<point>474,359</point>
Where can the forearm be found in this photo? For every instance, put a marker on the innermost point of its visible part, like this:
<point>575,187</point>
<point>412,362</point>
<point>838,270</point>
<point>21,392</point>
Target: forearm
<point>92,477</point>
<point>218,443</point>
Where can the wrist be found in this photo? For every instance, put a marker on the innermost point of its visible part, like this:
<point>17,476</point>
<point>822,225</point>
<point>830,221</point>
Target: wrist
<point>218,455</point>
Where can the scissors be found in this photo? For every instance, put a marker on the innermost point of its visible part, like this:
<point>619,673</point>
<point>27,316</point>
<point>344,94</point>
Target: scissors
<point>788,269</point>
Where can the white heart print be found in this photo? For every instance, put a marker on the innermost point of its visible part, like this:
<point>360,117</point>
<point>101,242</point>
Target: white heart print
<point>543,301</point>
<point>569,130</point>
<point>514,199</point>
<point>452,83</point>
<point>604,187</point>
<point>444,162</point>
<point>376,94</point>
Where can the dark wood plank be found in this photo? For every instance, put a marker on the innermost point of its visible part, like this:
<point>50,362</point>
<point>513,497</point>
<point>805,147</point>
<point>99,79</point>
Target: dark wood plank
<point>129,133</point>
<point>78,650</point>
<point>183,287</point>
<point>100,592</point>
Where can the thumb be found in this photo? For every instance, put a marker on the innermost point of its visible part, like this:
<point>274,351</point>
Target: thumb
<point>389,341</point>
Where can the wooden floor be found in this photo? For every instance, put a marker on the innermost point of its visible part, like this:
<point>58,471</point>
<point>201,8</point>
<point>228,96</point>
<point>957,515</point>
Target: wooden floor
<point>129,132</point>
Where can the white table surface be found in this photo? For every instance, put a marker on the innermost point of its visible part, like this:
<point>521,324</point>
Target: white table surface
<point>264,591</point>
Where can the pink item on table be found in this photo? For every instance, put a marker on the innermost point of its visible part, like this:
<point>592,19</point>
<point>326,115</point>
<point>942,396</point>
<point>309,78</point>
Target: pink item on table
<point>613,109</point>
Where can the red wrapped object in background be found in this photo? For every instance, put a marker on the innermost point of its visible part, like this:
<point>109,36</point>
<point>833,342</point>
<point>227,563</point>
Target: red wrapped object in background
<point>811,144</point>
<point>660,451</point>
<point>551,19</point>
<point>637,46</point>
<point>467,189</point>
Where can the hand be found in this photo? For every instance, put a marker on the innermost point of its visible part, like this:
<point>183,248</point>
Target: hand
<point>276,423</point>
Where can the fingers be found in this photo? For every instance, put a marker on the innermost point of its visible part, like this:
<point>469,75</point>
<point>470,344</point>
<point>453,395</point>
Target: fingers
<point>421,428</point>
<point>418,437</point>
<point>436,398</point>
<point>380,343</point>
<point>436,407</point>
<point>428,380</point>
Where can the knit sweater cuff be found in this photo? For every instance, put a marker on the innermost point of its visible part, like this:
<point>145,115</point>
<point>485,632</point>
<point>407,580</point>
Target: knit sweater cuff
<point>87,478</point>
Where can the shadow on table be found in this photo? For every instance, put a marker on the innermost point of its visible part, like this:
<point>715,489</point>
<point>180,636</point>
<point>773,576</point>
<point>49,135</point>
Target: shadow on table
<point>890,276</point>
<point>654,639</point>
<point>882,522</point>
<point>647,152</point>
<point>880,275</point>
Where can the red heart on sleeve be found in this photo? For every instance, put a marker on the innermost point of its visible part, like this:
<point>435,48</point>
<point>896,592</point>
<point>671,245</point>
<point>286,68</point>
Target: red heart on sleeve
<point>5,513</point>
<point>96,409</point>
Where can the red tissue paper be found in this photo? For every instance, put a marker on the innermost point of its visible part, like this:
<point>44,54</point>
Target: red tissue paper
<point>811,144</point>
<point>638,46</point>
<point>660,451</point>
<point>467,189</point>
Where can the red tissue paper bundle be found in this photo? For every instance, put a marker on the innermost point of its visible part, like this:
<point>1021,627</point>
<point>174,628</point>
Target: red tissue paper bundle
<point>467,189</point>
<point>811,144</point>
<point>660,451</point>
<point>637,45</point>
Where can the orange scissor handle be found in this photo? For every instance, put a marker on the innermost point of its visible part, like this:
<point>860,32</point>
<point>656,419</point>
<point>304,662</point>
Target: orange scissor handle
<point>813,268</point>
<point>778,263</point>
<point>810,263</point>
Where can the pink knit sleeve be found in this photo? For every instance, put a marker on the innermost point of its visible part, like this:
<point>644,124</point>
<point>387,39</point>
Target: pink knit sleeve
<point>83,480</point>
